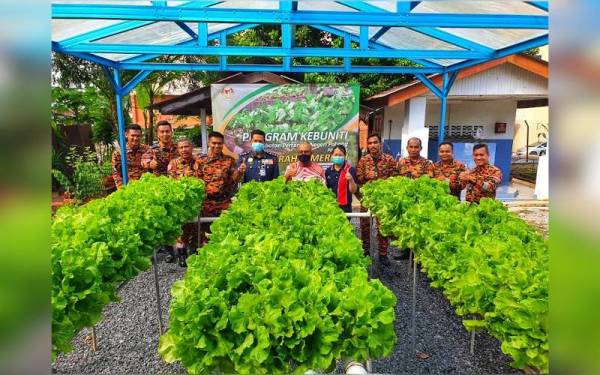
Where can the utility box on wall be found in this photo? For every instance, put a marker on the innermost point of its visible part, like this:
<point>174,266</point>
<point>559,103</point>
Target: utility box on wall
<point>500,128</point>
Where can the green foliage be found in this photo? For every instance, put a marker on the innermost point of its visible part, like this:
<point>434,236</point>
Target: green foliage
<point>62,180</point>
<point>488,262</point>
<point>88,174</point>
<point>281,287</point>
<point>72,107</point>
<point>303,109</point>
<point>193,134</point>
<point>96,246</point>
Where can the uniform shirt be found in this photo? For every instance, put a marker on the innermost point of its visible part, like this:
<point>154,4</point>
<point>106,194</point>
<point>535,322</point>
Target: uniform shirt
<point>369,169</point>
<point>415,168</point>
<point>162,155</point>
<point>180,167</point>
<point>134,163</point>
<point>331,180</point>
<point>264,168</point>
<point>483,182</point>
<point>449,172</point>
<point>217,174</point>
<point>312,171</point>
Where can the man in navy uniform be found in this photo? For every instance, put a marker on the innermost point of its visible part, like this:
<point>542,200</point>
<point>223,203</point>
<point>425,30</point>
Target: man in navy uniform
<point>260,165</point>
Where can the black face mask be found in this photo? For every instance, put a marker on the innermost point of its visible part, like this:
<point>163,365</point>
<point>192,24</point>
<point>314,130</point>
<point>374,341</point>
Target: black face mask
<point>304,158</point>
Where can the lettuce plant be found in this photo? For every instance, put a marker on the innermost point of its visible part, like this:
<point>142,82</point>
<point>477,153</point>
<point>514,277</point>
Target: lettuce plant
<point>282,286</point>
<point>489,263</point>
<point>96,246</point>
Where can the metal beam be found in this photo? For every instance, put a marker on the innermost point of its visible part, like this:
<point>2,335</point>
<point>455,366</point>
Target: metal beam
<point>202,34</point>
<point>287,32</point>
<point>347,45</point>
<point>86,56</point>
<point>364,37</point>
<point>109,75</point>
<point>222,44</point>
<point>121,125</point>
<point>430,85</point>
<point>379,34</point>
<point>280,68</point>
<point>223,50</point>
<point>135,81</point>
<point>450,82</point>
<point>443,114</point>
<point>187,29</point>
<point>406,6</point>
<point>175,13</point>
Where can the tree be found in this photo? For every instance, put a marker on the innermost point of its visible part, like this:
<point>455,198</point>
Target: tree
<point>71,107</point>
<point>148,90</point>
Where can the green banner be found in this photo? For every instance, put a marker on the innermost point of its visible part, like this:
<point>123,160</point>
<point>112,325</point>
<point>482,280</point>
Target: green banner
<point>322,115</point>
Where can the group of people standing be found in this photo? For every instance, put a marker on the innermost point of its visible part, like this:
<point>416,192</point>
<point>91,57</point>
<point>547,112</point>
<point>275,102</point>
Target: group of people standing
<point>482,181</point>
<point>222,173</point>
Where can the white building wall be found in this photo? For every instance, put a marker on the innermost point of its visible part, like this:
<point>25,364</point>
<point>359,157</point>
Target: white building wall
<point>485,113</point>
<point>396,114</point>
<point>506,79</point>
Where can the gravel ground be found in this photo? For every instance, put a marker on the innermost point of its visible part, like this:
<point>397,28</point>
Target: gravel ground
<point>127,337</point>
<point>537,217</point>
<point>441,342</point>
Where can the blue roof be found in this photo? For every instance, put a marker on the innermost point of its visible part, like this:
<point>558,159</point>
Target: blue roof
<point>438,36</point>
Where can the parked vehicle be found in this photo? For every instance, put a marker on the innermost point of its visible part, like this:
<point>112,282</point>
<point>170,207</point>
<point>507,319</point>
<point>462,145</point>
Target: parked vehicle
<point>534,151</point>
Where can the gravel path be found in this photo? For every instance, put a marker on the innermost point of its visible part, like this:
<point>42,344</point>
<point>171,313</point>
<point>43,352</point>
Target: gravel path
<point>128,335</point>
<point>441,342</point>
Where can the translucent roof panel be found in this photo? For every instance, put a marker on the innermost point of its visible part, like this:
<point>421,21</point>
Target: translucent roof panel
<point>153,34</point>
<point>403,38</point>
<point>235,4</point>
<point>356,30</point>
<point>215,27</point>
<point>115,56</point>
<point>323,5</point>
<point>478,7</point>
<point>445,62</point>
<point>390,6</point>
<point>497,38</point>
<point>64,29</point>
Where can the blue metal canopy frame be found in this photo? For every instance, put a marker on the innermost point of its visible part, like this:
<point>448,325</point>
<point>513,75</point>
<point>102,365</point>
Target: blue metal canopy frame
<point>371,21</point>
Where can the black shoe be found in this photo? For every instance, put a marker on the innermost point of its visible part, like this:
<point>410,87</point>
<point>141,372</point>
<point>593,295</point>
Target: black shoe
<point>182,255</point>
<point>402,255</point>
<point>170,257</point>
<point>384,260</point>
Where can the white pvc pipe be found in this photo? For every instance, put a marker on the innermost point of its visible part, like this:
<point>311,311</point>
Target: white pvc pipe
<point>356,368</point>
<point>211,219</point>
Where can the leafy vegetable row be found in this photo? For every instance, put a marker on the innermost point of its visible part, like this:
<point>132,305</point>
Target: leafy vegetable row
<point>488,262</point>
<point>107,241</point>
<point>281,287</point>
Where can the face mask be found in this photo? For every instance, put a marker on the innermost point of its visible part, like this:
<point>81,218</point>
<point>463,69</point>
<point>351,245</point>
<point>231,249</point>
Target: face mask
<point>304,158</point>
<point>337,160</point>
<point>258,147</point>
